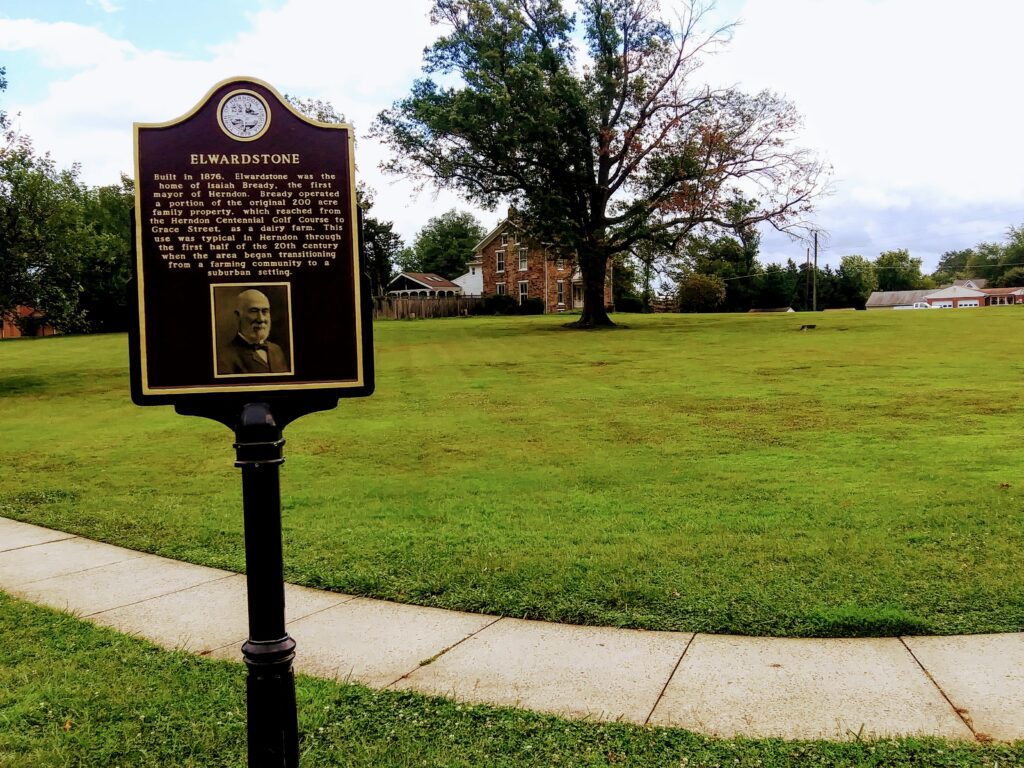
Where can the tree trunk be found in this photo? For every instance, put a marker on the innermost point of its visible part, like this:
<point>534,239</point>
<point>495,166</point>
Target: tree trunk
<point>593,270</point>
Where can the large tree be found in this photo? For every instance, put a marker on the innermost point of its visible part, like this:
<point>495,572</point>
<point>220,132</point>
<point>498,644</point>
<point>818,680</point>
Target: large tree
<point>320,110</point>
<point>382,246</point>
<point>445,244</point>
<point>776,286</point>
<point>898,271</point>
<point>652,259</point>
<point>105,264</point>
<point>700,293</point>
<point>41,233</point>
<point>856,280</point>
<point>3,87</point>
<point>65,248</point>
<point>602,149</point>
<point>952,266</point>
<point>1011,260</point>
<point>380,243</point>
<point>711,253</point>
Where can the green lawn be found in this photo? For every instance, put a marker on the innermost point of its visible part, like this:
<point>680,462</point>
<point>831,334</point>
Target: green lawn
<point>75,695</point>
<point>718,473</point>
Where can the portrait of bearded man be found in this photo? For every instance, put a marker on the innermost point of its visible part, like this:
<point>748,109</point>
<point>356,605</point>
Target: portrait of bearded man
<point>250,350</point>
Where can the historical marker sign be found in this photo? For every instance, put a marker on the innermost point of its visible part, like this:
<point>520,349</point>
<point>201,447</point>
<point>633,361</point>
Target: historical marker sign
<point>247,254</point>
<point>252,311</point>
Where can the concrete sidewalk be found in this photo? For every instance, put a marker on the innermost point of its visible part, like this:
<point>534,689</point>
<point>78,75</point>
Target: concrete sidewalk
<point>969,687</point>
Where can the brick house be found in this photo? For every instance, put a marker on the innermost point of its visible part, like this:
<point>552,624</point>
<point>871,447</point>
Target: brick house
<point>957,297</point>
<point>960,295</point>
<point>31,320</point>
<point>997,296</point>
<point>512,265</point>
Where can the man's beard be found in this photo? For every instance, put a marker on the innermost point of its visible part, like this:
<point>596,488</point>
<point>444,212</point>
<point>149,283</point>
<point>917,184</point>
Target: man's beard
<point>258,334</point>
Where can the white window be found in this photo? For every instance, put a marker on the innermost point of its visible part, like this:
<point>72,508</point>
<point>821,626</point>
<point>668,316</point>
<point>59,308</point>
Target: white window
<point>500,288</point>
<point>504,239</point>
<point>500,256</point>
<point>561,291</point>
<point>559,263</point>
<point>522,259</point>
<point>524,290</point>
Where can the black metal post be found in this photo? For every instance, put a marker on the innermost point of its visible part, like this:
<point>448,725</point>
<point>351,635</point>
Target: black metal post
<point>270,688</point>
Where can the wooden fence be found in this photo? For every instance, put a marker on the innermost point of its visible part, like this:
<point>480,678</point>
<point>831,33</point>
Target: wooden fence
<point>664,304</point>
<point>414,308</point>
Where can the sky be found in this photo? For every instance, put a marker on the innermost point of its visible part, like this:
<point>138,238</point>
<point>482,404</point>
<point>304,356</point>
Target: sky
<point>914,103</point>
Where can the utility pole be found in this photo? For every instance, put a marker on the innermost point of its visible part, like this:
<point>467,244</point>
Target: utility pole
<point>807,279</point>
<point>815,271</point>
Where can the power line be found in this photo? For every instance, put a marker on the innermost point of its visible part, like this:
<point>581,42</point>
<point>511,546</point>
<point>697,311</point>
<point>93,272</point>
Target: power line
<point>758,274</point>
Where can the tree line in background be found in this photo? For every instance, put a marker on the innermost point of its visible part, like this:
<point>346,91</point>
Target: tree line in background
<point>714,272</point>
<point>65,249</point>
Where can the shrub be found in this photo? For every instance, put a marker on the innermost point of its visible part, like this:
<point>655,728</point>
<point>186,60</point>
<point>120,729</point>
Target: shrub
<point>629,304</point>
<point>701,293</point>
<point>531,307</point>
<point>496,304</point>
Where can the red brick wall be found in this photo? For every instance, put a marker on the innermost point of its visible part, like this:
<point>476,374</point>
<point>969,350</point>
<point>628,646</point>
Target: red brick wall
<point>541,274</point>
<point>8,329</point>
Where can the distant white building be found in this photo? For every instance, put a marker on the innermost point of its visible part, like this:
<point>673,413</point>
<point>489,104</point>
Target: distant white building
<point>897,299</point>
<point>472,283</point>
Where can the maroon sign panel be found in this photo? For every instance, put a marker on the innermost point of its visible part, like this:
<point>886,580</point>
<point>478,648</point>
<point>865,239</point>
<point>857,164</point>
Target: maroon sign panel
<point>247,262</point>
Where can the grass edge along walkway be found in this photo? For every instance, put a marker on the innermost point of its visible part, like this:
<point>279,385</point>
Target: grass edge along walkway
<point>721,474</point>
<point>879,684</point>
<point>79,695</point>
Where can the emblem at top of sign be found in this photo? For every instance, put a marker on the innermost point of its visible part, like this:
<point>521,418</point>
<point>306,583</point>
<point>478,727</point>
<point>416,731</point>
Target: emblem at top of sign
<point>244,115</point>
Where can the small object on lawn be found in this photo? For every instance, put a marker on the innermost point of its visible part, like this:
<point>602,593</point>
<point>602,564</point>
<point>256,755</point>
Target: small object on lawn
<point>807,327</point>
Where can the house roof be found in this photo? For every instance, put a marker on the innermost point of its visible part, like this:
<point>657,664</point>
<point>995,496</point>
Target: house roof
<point>955,292</point>
<point>499,227</point>
<point>972,282</point>
<point>1003,291</point>
<point>489,237</point>
<point>896,298</point>
<point>426,279</point>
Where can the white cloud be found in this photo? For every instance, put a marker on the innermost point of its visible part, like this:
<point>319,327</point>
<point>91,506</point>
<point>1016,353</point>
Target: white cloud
<point>913,102</point>
<point>358,51</point>
<point>905,94</point>
<point>107,6</point>
<point>62,45</point>
<point>361,58</point>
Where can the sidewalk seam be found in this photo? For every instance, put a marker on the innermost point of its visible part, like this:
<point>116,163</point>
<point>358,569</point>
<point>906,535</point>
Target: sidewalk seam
<point>348,599</point>
<point>443,651</point>
<point>157,597</point>
<point>661,693</point>
<point>963,718</point>
<point>135,556</point>
<point>44,543</point>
